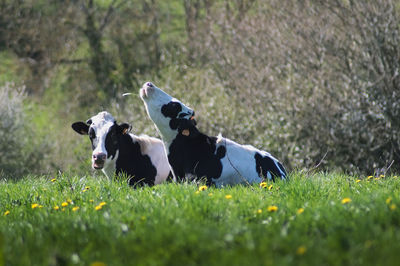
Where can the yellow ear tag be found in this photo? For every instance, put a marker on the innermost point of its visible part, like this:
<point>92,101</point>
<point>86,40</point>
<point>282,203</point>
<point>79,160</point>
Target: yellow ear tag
<point>186,132</point>
<point>125,131</point>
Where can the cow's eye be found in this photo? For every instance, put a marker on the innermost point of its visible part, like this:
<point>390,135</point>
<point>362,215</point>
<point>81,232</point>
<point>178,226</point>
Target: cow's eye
<point>92,134</point>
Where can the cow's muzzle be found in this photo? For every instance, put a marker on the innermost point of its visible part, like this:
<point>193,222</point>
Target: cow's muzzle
<point>146,90</point>
<point>98,160</point>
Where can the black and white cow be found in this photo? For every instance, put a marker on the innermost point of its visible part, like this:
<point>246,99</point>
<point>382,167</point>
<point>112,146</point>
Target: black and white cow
<point>116,151</point>
<point>221,161</point>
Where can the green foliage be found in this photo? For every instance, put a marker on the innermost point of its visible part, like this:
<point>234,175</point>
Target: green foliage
<point>176,224</point>
<point>20,149</point>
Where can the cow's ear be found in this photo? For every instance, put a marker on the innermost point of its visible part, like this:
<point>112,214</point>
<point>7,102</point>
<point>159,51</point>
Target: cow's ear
<point>80,127</point>
<point>124,128</point>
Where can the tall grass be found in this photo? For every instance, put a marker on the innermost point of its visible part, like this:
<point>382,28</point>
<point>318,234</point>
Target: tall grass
<point>301,222</point>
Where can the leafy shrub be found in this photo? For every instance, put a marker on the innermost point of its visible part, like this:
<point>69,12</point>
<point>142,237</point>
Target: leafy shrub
<point>20,152</point>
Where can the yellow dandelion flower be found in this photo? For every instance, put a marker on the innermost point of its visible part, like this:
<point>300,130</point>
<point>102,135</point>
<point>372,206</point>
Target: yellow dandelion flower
<point>91,200</point>
<point>69,201</point>
<point>395,176</point>
<point>270,187</point>
<point>40,206</point>
<point>53,180</point>
<point>392,207</point>
<point>98,207</point>
<point>228,196</point>
<point>259,211</point>
<point>388,200</point>
<point>56,208</point>
<point>381,176</point>
<point>197,192</point>
<point>300,210</point>
<point>75,208</point>
<point>202,188</point>
<point>87,187</point>
<point>301,250</point>
<point>272,208</point>
<point>263,184</point>
<point>346,200</point>
<point>64,204</point>
<point>358,180</point>
<point>34,205</point>
<point>6,213</point>
<point>102,203</point>
<point>370,177</point>
<point>84,190</point>
<point>98,263</point>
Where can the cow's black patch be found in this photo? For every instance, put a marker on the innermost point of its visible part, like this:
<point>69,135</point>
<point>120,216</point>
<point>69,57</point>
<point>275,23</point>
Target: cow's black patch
<point>265,164</point>
<point>193,152</point>
<point>171,110</point>
<point>133,163</point>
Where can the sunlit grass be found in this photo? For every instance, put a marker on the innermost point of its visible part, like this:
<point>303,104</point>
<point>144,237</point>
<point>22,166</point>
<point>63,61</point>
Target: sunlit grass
<point>311,220</point>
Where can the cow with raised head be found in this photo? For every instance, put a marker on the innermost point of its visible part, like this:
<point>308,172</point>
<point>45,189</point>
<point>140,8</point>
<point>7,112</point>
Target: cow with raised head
<point>191,153</point>
<point>116,151</point>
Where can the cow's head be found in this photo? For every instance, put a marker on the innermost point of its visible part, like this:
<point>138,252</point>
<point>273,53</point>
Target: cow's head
<point>169,115</point>
<point>104,133</point>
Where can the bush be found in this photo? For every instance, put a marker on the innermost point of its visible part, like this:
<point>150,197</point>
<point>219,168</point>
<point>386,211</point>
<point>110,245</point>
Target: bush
<point>20,152</point>
<point>321,78</point>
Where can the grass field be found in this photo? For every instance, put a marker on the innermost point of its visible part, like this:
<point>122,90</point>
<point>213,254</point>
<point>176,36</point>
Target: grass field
<point>319,219</point>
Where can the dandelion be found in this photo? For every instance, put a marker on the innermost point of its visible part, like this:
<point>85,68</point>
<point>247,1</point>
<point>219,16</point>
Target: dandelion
<point>392,207</point>
<point>272,208</point>
<point>56,208</point>
<point>202,188</point>
<point>358,180</point>
<point>84,190</point>
<point>301,250</point>
<point>370,177</point>
<point>64,204</point>
<point>98,207</point>
<point>53,180</point>
<point>91,200</point>
<point>69,201</point>
<point>263,184</point>
<point>102,203</point>
<point>6,213</point>
<point>34,205</point>
<point>98,263</point>
<point>75,208</point>
<point>381,176</point>
<point>270,187</point>
<point>300,211</point>
<point>346,200</point>
<point>259,211</point>
<point>228,196</point>
<point>388,200</point>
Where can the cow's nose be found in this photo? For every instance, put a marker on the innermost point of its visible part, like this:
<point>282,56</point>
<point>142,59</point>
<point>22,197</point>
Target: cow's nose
<point>99,157</point>
<point>149,84</point>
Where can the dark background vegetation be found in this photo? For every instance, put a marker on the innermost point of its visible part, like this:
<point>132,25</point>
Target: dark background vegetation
<point>313,82</point>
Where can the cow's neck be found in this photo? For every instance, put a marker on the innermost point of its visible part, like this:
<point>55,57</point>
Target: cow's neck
<point>109,167</point>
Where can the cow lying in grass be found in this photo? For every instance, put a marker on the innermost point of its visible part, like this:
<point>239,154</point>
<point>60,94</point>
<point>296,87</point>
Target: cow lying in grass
<point>116,151</point>
<point>221,161</point>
